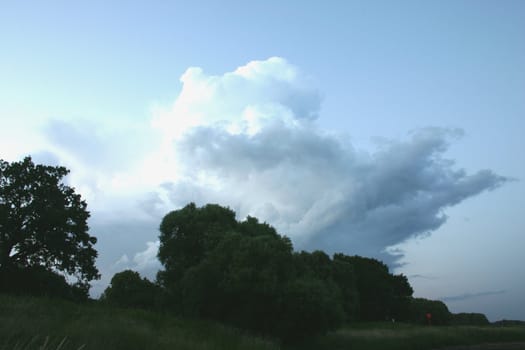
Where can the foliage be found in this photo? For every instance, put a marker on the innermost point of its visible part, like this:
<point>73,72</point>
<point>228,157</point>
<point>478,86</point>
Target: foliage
<point>38,281</point>
<point>43,222</point>
<point>240,282</point>
<point>343,274</point>
<point>338,274</point>
<point>128,289</point>
<point>469,319</point>
<point>26,323</point>
<point>401,336</point>
<point>420,307</point>
<point>245,274</point>
<point>186,235</point>
<point>309,307</point>
<point>382,296</point>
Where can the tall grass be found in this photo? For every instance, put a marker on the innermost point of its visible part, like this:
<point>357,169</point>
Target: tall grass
<point>385,336</point>
<point>34,323</point>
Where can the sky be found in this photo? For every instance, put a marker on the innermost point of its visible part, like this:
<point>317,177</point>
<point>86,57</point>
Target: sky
<point>386,129</point>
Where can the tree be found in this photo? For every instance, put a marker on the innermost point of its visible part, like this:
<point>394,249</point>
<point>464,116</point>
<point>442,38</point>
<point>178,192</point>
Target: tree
<point>188,234</point>
<point>43,222</point>
<point>128,289</point>
<point>38,281</point>
<point>381,294</point>
<point>245,274</point>
<point>309,307</point>
<point>469,319</point>
<point>420,308</point>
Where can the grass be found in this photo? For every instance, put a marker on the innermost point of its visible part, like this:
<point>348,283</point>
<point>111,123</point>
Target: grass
<point>388,336</point>
<point>35,323</point>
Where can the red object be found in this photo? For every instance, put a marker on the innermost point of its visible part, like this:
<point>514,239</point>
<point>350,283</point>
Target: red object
<point>429,318</point>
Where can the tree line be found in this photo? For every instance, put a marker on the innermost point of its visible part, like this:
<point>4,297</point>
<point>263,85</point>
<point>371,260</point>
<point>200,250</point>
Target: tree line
<point>243,273</point>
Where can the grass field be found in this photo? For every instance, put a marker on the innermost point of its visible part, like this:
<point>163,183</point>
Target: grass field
<point>36,323</point>
<point>28,323</point>
<point>387,336</point>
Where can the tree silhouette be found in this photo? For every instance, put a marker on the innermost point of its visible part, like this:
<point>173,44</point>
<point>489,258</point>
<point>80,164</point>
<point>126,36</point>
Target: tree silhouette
<point>43,222</point>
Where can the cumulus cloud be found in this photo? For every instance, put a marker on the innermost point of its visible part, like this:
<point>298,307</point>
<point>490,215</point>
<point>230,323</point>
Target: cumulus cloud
<point>242,100</point>
<point>249,139</point>
<point>147,259</point>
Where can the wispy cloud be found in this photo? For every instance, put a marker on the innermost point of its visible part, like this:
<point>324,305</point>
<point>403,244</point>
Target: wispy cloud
<point>472,295</point>
<point>425,277</point>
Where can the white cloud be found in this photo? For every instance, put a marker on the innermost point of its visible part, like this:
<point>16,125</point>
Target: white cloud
<point>147,259</point>
<point>241,100</point>
<point>249,139</point>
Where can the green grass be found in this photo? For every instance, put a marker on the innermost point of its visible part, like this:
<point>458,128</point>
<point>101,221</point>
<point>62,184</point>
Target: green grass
<point>35,323</point>
<point>388,336</point>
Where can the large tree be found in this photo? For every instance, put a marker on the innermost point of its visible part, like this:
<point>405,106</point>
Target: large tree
<point>43,222</point>
<point>382,295</point>
<point>243,273</point>
<point>188,234</point>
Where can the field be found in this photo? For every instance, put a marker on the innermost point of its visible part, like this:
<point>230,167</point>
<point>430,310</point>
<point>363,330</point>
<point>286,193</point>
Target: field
<point>29,323</point>
<point>36,323</point>
<point>409,337</point>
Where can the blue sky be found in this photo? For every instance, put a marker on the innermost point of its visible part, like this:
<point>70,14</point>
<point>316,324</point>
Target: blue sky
<point>353,126</point>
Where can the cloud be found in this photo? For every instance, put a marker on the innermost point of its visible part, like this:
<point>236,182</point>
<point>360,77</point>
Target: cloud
<point>249,139</point>
<point>243,99</point>
<point>147,259</point>
<point>426,277</point>
<point>467,296</point>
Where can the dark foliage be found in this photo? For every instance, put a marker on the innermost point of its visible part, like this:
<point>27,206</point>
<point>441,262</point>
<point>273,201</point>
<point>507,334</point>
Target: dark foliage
<point>420,307</point>
<point>338,274</point>
<point>382,296</point>
<point>188,234</point>
<point>128,289</point>
<point>245,274</point>
<point>469,319</point>
<point>38,281</point>
<point>509,323</point>
<point>43,225</point>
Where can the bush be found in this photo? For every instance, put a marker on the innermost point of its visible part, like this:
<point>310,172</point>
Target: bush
<point>38,281</point>
<point>309,308</point>
<point>128,289</point>
<point>420,307</point>
<point>469,319</point>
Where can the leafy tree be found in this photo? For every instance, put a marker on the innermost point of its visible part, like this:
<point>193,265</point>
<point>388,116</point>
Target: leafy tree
<point>38,281</point>
<point>469,319</point>
<point>400,297</point>
<point>188,234</point>
<point>240,280</point>
<point>309,307</point>
<point>381,294</point>
<point>128,289</point>
<point>344,276</point>
<point>43,222</point>
<point>245,274</point>
<point>317,263</point>
<point>420,307</point>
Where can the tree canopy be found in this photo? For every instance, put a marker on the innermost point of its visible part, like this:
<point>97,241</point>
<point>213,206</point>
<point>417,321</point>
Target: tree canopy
<point>245,273</point>
<point>128,289</point>
<point>43,222</point>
